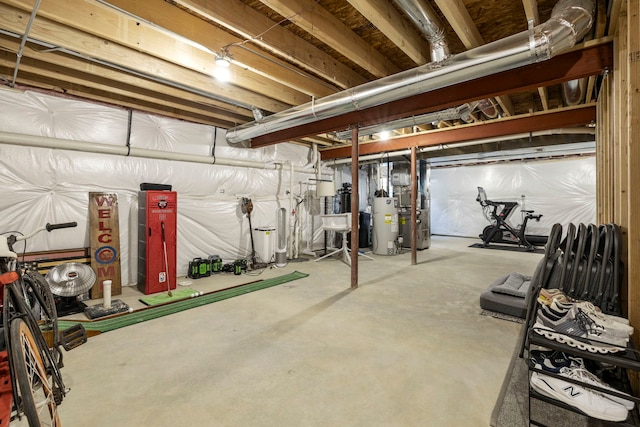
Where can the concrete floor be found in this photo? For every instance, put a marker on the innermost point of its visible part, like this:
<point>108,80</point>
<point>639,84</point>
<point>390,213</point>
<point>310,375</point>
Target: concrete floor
<point>407,348</point>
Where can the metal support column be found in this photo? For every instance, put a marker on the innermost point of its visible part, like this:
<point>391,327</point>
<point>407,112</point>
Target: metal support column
<point>355,208</point>
<point>414,208</point>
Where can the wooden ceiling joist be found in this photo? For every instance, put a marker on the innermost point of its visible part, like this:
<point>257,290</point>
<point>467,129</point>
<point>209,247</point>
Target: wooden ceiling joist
<point>317,21</point>
<point>582,62</point>
<point>259,30</point>
<point>108,24</point>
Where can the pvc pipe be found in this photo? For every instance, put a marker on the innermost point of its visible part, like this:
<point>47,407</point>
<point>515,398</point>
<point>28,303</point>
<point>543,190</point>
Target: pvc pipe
<point>94,147</point>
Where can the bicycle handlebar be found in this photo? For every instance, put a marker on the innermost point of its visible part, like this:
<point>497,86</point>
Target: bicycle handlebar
<point>50,227</point>
<point>47,227</point>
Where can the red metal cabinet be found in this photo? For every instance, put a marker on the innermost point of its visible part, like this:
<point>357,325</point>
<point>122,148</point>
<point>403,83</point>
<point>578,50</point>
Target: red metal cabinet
<point>157,223</point>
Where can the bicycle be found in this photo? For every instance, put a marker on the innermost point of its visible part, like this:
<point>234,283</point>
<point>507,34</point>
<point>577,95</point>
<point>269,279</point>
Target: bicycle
<point>31,337</point>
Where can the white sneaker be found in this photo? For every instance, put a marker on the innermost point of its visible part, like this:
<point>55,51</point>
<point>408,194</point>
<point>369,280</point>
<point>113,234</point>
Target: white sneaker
<point>583,375</point>
<point>590,402</point>
<point>549,296</point>
<point>565,326</point>
<point>606,320</point>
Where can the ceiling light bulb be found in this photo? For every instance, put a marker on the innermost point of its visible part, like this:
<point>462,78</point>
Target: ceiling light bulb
<point>384,134</point>
<point>222,61</point>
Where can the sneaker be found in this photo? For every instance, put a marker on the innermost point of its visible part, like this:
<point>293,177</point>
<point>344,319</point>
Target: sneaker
<point>585,376</point>
<point>577,324</point>
<point>553,361</point>
<point>613,328</point>
<point>607,320</point>
<point>590,402</point>
<point>550,296</point>
<point>560,363</point>
<point>547,296</point>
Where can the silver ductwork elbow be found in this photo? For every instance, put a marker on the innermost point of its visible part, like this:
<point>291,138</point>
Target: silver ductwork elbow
<point>425,18</point>
<point>570,21</point>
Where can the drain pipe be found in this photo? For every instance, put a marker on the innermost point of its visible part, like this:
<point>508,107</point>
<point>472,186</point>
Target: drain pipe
<point>93,147</point>
<point>570,21</point>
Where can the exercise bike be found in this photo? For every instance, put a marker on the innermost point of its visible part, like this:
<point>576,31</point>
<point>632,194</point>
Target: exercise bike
<point>500,231</point>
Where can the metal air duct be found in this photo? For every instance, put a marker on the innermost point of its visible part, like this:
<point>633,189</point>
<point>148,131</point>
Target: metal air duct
<point>425,18</point>
<point>570,21</point>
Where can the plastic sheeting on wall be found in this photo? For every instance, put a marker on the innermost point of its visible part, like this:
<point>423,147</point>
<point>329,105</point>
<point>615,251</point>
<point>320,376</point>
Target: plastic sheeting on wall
<point>563,191</point>
<point>40,185</point>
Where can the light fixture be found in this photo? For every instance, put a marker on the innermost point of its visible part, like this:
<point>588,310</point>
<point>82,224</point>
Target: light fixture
<point>223,61</point>
<point>384,135</point>
<point>222,71</point>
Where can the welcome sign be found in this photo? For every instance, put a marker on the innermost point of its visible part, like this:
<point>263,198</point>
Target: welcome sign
<point>105,242</point>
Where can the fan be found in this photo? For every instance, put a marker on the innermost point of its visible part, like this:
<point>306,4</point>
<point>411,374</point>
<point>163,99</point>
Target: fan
<point>66,282</point>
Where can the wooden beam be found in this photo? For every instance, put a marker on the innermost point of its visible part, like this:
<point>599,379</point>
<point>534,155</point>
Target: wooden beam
<point>95,74</point>
<point>107,23</point>
<point>94,48</point>
<point>317,21</point>
<point>260,31</point>
<point>66,78</point>
<point>531,11</point>
<point>632,139</point>
<point>582,62</point>
<point>458,16</point>
<point>556,119</point>
<point>387,19</point>
<point>194,28</point>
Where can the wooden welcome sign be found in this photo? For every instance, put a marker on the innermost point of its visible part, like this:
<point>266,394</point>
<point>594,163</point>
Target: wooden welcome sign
<point>105,242</point>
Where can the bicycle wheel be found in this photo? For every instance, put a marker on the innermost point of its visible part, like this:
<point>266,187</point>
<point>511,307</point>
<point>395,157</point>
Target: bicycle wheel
<point>35,389</point>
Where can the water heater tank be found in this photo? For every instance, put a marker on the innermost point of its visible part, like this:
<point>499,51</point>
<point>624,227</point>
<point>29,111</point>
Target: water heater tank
<point>385,226</point>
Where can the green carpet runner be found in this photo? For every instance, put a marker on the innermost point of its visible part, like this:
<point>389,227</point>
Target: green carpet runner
<point>144,314</point>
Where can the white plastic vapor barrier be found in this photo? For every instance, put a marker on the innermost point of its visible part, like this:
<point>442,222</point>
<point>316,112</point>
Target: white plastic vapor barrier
<point>33,113</point>
<point>563,191</point>
<point>40,185</point>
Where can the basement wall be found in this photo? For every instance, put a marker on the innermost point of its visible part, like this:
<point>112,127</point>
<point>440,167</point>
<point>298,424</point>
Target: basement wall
<point>563,191</point>
<point>47,185</point>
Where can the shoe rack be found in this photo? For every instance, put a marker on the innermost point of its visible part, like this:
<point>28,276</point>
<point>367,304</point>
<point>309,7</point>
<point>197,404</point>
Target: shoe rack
<point>584,263</point>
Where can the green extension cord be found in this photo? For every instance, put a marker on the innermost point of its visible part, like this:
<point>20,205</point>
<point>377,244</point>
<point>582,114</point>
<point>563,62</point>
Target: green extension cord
<point>149,313</point>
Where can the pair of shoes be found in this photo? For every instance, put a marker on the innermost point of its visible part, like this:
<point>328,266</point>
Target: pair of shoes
<point>590,402</point>
<point>555,297</point>
<point>577,329</point>
<point>560,363</point>
<point>612,328</point>
<point>608,321</point>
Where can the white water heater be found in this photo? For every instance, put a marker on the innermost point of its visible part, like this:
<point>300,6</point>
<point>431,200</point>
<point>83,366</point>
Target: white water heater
<point>384,240</point>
